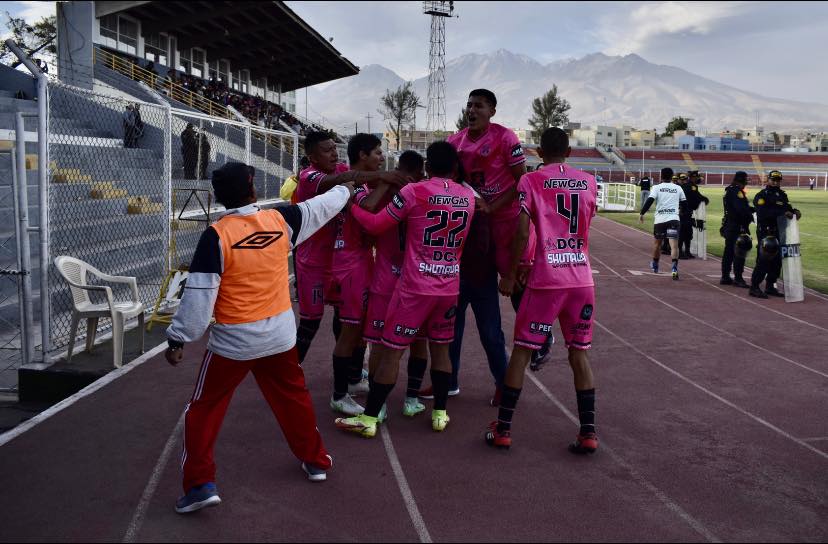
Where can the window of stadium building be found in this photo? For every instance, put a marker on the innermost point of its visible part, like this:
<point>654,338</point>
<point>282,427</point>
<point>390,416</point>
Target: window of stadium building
<point>198,58</point>
<point>156,47</point>
<point>223,70</point>
<point>119,33</point>
<point>184,61</point>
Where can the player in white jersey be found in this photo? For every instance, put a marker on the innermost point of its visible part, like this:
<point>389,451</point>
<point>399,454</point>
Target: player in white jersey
<point>666,196</point>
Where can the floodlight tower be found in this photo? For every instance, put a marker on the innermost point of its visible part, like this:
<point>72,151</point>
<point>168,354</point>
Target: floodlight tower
<point>436,107</point>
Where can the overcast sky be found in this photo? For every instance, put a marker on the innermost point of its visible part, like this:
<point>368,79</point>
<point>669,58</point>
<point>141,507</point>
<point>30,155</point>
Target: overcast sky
<point>774,48</point>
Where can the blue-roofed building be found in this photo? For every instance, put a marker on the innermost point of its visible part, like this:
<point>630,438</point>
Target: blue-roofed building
<point>711,143</point>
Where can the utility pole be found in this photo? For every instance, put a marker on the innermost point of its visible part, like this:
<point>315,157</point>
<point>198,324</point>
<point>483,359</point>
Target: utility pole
<point>356,127</point>
<point>369,122</point>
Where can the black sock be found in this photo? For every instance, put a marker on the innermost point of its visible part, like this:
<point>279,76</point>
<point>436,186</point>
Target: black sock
<point>355,370</point>
<point>416,371</point>
<point>508,401</point>
<point>586,410</point>
<point>304,336</point>
<point>377,397</point>
<point>440,382</point>
<point>341,366</point>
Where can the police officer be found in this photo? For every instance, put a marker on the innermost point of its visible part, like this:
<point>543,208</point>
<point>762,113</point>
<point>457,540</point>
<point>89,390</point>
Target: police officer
<point>693,198</point>
<point>738,215</point>
<point>771,203</point>
<point>645,189</point>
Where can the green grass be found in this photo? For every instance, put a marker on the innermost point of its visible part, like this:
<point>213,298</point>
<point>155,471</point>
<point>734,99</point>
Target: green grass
<point>813,228</point>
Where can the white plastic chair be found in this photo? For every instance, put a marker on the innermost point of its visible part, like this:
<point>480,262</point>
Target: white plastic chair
<point>75,271</point>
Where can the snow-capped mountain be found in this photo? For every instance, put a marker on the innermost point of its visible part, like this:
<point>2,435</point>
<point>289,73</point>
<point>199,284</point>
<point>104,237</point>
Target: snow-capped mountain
<point>601,89</point>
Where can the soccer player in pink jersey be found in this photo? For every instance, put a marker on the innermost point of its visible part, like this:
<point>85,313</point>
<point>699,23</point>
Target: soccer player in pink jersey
<point>352,265</point>
<point>437,213</point>
<point>493,161</point>
<point>313,258</point>
<point>390,250</point>
<point>560,202</point>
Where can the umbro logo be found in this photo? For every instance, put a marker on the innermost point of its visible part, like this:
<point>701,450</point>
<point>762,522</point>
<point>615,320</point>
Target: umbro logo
<point>258,240</point>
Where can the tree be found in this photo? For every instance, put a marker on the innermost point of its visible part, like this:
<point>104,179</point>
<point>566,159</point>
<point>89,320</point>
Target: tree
<point>462,121</point>
<point>549,111</point>
<point>37,39</point>
<point>676,123</point>
<point>399,107</point>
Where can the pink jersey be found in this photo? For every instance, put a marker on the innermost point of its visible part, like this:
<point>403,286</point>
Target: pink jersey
<point>317,250</point>
<point>488,161</point>
<point>438,214</point>
<point>390,250</point>
<point>351,246</point>
<point>561,201</point>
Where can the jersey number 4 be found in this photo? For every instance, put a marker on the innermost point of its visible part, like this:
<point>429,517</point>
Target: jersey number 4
<point>570,213</point>
<point>430,235</point>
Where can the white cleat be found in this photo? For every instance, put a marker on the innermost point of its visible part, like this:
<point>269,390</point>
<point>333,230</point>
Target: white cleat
<point>346,405</point>
<point>359,388</point>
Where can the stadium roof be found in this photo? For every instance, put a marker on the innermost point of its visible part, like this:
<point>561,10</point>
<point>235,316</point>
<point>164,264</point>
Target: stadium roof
<point>267,38</point>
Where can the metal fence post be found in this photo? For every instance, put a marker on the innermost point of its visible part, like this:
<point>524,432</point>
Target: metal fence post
<point>43,180</point>
<point>247,144</point>
<point>24,250</point>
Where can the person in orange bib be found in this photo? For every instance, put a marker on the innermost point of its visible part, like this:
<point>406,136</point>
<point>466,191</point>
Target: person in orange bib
<point>239,274</point>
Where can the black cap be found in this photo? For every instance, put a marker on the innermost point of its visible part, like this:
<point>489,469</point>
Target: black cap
<point>740,177</point>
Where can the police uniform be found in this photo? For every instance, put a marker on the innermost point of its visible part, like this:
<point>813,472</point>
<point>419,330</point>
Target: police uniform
<point>770,203</point>
<point>738,215</point>
<point>693,199</point>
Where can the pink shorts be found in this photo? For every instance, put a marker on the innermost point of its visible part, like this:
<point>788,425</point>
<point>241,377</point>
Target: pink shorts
<point>411,315</point>
<point>349,292</point>
<point>312,286</point>
<point>375,317</point>
<point>539,309</point>
<point>503,232</point>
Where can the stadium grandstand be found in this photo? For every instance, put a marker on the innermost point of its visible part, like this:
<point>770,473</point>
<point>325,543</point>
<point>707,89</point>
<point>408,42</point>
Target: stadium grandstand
<point>149,98</point>
<point>716,167</point>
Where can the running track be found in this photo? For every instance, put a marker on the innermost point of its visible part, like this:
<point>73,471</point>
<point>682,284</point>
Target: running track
<point>711,409</point>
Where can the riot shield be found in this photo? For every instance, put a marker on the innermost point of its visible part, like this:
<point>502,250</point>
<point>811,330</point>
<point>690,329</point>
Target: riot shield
<point>698,245</point>
<point>791,259</point>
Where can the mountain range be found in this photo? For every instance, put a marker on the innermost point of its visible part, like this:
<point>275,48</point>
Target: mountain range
<point>601,89</point>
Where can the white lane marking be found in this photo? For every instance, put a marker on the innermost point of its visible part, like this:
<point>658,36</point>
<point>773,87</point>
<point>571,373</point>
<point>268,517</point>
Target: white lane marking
<point>637,476</point>
<point>763,306</point>
<point>723,400</point>
<point>648,273</point>
<point>146,497</point>
<point>405,490</point>
<point>85,392</point>
<point>706,324</point>
<point>815,439</point>
<point>808,290</point>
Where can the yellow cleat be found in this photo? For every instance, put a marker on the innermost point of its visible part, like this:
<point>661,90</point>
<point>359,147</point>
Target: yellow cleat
<point>362,425</point>
<point>439,420</point>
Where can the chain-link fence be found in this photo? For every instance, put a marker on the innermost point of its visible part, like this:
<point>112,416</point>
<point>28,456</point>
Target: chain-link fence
<point>10,278</point>
<point>129,187</point>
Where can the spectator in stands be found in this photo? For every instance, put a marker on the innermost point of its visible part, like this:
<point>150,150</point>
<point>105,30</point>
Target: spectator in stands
<point>129,127</point>
<point>203,155</point>
<point>189,151</point>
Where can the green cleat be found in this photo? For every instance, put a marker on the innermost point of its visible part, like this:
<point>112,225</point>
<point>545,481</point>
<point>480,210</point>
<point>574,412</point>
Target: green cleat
<point>412,407</point>
<point>439,420</point>
<point>363,425</point>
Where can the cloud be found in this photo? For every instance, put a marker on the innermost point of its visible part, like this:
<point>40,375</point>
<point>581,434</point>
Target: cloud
<point>32,12</point>
<point>650,22</point>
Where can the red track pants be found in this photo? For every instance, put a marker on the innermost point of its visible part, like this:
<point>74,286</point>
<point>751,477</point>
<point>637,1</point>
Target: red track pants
<point>282,382</point>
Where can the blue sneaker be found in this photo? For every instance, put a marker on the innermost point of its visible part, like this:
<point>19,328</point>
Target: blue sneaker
<point>315,474</point>
<point>654,266</point>
<point>198,497</point>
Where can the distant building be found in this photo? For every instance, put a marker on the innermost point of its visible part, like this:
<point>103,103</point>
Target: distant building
<point>525,135</point>
<point>418,140</point>
<point>643,138</point>
<point>711,143</point>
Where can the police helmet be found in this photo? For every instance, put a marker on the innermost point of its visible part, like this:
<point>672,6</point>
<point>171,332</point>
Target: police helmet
<point>693,173</point>
<point>682,177</point>
<point>675,178</point>
<point>769,247</point>
<point>743,245</point>
<point>774,175</point>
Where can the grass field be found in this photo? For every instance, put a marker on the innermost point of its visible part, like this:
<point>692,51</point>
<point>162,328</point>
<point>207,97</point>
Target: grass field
<point>813,228</point>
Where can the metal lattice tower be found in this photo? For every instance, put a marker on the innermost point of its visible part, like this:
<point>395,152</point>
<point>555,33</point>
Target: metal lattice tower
<point>436,107</point>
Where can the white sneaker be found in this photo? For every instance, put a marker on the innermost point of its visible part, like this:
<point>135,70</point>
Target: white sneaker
<point>360,388</point>
<point>346,405</point>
